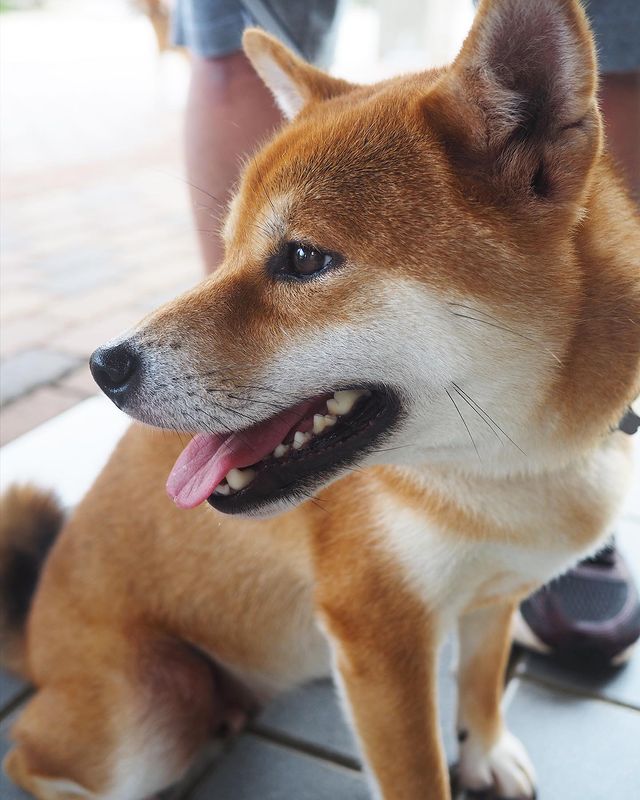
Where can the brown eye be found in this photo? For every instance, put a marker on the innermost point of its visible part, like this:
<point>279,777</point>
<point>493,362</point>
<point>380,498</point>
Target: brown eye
<point>305,260</point>
<point>297,261</point>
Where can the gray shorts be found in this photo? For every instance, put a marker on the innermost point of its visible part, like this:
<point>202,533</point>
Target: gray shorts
<point>616,25</point>
<point>213,28</point>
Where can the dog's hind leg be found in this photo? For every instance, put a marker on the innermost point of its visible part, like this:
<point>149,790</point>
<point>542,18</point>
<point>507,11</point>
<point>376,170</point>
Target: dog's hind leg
<point>490,756</point>
<point>119,727</point>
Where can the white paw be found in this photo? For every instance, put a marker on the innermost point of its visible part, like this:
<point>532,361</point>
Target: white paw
<point>505,768</point>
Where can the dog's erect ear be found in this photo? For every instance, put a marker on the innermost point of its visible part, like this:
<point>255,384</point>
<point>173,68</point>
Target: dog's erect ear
<point>518,106</point>
<point>293,82</point>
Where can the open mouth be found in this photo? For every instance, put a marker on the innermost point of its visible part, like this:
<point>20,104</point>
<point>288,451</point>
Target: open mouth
<point>290,455</point>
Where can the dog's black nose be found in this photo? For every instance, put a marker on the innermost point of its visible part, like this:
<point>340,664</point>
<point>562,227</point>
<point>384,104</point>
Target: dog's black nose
<point>113,369</point>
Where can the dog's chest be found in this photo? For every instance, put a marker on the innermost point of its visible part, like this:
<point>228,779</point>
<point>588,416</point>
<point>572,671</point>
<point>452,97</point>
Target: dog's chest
<point>478,542</point>
<point>452,572</point>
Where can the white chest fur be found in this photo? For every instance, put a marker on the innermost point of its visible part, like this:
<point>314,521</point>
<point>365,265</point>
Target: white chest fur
<point>525,530</point>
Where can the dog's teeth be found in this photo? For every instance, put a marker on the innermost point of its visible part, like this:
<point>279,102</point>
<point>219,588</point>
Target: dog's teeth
<point>239,478</point>
<point>281,450</point>
<point>222,488</point>
<point>342,402</point>
<point>300,439</point>
<point>329,420</point>
<point>319,423</point>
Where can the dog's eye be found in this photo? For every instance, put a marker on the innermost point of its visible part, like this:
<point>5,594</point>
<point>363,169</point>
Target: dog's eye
<point>305,260</point>
<point>299,261</point>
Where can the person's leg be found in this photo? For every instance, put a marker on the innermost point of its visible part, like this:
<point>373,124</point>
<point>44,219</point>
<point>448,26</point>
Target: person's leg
<point>616,26</point>
<point>620,104</point>
<point>229,111</point>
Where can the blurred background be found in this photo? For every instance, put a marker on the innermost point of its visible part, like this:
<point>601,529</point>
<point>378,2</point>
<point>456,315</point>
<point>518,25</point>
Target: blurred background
<point>95,220</point>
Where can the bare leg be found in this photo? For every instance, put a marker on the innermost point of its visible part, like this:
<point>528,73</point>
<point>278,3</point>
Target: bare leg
<point>490,756</point>
<point>229,112</point>
<point>620,101</point>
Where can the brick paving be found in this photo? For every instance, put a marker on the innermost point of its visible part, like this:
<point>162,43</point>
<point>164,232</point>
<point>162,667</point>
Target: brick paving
<point>95,224</point>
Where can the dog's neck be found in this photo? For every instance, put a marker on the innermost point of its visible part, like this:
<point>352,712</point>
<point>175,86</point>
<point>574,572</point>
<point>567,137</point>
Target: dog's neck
<point>601,369</point>
<point>599,375</point>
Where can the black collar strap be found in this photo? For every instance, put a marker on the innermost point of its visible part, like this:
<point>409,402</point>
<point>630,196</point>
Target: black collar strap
<point>630,422</point>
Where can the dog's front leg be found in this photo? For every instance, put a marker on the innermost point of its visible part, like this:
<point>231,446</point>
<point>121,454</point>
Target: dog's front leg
<point>385,646</point>
<point>490,756</point>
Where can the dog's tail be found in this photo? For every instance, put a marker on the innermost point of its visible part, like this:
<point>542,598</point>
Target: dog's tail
<point>30,520</point>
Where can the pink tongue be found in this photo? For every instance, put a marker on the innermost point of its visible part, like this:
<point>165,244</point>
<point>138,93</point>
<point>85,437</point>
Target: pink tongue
<point>208,457</point>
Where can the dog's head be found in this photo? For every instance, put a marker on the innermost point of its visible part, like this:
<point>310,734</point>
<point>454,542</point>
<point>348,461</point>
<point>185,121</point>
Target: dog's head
<point>401,280</point>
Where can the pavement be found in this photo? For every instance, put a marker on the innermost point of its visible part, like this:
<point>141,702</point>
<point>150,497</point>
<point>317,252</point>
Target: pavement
<point>95,222</point>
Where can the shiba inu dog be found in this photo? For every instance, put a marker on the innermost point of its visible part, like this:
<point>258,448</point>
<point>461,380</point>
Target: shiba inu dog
<point>403,385</point>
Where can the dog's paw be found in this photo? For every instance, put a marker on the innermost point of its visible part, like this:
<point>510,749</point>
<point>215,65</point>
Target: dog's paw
<point>505,770</point>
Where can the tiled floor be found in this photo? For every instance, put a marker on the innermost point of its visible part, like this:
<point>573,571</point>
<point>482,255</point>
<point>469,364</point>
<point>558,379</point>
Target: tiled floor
<point>581,727</point>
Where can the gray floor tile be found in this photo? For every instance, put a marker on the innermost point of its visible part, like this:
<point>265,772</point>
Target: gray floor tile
<point>621,685</point>
<point>582,749</point>
<point>628,538</point>
<point>8,790</point>
<point>10,688</point>
<point>632,504</point>
<point>256,769</point>
<point>23,372</point>
<point>311,715</point>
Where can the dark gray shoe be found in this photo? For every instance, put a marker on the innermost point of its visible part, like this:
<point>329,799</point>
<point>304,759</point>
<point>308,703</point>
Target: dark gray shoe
<point>591,612</point>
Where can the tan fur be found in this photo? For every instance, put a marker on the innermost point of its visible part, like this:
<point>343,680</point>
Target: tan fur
<point>479,237</point>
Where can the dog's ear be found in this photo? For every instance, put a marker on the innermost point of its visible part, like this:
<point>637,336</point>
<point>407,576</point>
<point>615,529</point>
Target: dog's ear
<point>293,82</point>
<point>517,109</point>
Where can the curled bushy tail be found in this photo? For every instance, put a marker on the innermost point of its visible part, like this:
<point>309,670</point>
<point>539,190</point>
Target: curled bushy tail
<point>30,520</point>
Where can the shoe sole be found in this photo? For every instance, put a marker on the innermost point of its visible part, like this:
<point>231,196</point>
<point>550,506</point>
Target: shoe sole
<point>525,637</point>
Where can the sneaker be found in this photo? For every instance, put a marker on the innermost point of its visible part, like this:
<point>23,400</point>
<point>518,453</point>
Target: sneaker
<point>592,612</point>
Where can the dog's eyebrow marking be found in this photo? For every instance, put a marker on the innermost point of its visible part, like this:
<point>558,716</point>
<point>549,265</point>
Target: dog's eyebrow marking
<point>271,220</point>
<point>231,221</point>
<point>268,221</point>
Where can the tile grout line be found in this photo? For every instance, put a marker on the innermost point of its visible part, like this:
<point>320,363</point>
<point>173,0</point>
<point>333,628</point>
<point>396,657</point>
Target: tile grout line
<point>318,752</point>
<point>51,384</point>
<point>286,743</point>
<point>576,692</point>
<point>15,702</point>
